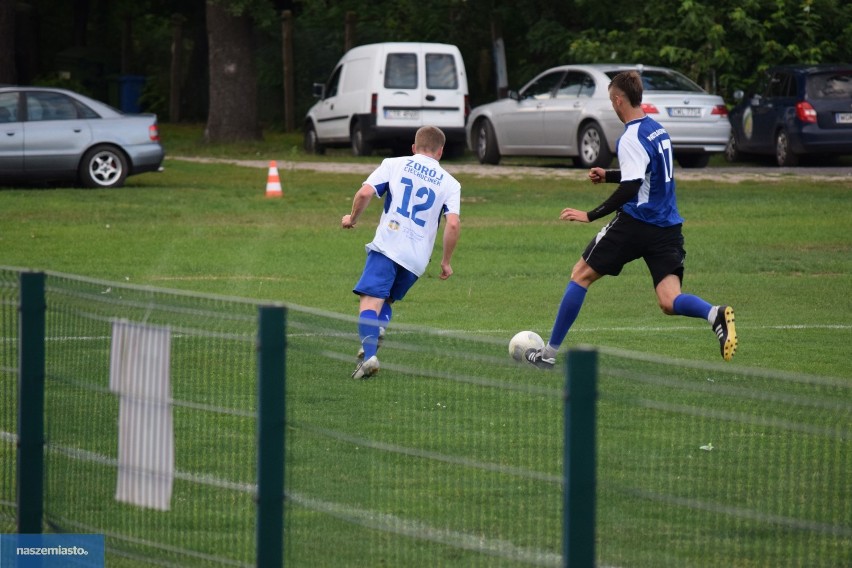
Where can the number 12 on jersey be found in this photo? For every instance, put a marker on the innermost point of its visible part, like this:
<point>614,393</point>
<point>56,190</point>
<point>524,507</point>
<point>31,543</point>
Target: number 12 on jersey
<point>424,198</point>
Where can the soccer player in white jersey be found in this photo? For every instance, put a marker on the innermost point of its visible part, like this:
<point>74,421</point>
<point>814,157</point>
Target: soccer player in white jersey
<point>647,225</point>
<point>418,193</point>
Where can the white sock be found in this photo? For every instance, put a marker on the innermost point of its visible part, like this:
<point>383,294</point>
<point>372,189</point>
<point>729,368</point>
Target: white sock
<point>711,315</point>
<point>549,351</point>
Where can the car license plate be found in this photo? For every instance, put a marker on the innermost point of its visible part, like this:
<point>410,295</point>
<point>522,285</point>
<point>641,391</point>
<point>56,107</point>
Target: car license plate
<point>844,118</point>
<point>402,114</point>
<point>684,112</point>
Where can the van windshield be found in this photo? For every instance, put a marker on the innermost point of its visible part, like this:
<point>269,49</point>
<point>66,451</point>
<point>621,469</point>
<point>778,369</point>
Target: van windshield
<point>401,71</point>
<point>441,71</point>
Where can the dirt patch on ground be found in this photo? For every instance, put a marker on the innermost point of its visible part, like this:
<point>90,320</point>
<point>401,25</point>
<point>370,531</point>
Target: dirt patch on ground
<point>722,175</point>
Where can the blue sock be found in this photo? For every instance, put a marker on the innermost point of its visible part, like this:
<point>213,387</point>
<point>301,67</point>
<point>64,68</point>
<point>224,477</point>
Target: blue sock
<point>368,330</point>
<point>385,315</point>
<point>691,306</point>
<point>570,306</point>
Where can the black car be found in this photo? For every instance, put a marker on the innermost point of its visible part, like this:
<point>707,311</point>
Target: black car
<point>794,111</point>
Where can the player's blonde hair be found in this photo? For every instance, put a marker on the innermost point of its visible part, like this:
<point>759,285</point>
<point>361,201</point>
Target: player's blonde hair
<point>429,139</point>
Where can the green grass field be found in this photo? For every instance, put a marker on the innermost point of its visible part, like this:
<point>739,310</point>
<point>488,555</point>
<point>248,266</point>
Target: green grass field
<point>778,252</point>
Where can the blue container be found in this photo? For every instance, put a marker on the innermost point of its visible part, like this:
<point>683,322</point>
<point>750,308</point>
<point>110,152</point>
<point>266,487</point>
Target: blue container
<point>130,91</point>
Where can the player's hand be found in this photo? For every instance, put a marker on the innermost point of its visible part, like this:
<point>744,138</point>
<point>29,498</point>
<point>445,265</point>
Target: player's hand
<point>569,214</point>
<point>446,271</point>
<point>346,222</point>
<point>597,175</point>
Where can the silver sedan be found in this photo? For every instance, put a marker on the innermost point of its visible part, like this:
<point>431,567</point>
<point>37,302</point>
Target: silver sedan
<point>566,111</point>
<point>51,134</point>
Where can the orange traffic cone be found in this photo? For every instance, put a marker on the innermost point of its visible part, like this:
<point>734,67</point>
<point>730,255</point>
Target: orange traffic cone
<point>273,181</point>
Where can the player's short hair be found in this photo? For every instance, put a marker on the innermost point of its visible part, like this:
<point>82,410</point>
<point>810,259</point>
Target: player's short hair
<point>629,83</point>
<point>429,139</point>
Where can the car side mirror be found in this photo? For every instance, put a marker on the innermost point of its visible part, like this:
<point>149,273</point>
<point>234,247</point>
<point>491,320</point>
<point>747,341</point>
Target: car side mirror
<point>318,90</point>
<point>514,95</point>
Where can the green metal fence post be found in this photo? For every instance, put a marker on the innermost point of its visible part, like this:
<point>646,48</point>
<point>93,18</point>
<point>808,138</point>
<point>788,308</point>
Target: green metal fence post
<point>30,456</point>
<point>270,434</point>
<point>578,530</point>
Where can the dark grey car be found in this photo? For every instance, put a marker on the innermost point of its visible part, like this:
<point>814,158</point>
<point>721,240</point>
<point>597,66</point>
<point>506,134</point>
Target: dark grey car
<point>51,134</point>
<point>794,111</point>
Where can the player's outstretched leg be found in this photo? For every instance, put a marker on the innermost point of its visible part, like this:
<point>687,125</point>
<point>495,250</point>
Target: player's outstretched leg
<point>725,330</point>
<point>366,369</point>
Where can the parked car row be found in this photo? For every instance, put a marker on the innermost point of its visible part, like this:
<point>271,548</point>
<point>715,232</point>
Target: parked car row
<point>792,111</point>
<point>379,94</point>
<point>51,134</point>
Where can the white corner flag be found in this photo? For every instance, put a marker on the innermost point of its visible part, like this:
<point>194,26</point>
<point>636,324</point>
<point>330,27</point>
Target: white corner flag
<point>139,374</point>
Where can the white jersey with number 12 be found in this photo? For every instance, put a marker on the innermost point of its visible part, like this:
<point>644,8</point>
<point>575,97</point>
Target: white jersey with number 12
<point>417,193</point>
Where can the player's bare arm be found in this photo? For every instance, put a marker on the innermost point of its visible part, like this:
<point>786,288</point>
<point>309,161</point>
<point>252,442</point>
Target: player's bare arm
<point>452,230</point>
<point>359,204</point>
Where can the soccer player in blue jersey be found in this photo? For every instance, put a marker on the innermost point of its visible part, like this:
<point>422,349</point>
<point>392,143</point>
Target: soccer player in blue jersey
<point>417,193</point>
<point>647,225</point>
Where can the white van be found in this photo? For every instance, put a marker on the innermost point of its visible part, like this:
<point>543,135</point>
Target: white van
<point>379,95</point>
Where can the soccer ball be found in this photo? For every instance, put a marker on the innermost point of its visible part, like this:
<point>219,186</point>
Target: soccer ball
<point>522,341</point>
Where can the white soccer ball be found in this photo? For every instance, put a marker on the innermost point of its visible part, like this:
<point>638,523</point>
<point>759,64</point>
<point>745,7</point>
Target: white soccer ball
<point>522,341</point>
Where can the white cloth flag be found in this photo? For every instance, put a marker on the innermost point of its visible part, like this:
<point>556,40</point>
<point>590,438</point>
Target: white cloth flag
<point>139,374</point>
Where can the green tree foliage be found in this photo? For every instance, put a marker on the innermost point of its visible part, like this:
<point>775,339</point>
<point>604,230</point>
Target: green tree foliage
<point>8,70</point>
<point>722,44</point>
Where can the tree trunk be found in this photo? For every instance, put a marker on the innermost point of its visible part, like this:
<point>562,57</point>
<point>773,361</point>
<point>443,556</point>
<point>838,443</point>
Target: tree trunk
<point>195,90</point>
<point>8,69</point>
<point>289,71</point>
<point>176,69</point>
<point>233,79</point>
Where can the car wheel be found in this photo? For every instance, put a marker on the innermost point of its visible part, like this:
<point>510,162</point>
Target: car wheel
<point>732,151</point>
<point>103,166</point>
<point>784,156</point>
<point>312,145</point>
<point>693,160</point>
<point>485,143</point>
<point>360,145</point>
<point>594,152</point>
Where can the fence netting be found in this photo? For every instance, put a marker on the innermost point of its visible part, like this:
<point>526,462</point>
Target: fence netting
<point>210,515</point>
<point>453,453</point>
<point>9,297</point>
<point>711,465</point>
<point>451,456</point>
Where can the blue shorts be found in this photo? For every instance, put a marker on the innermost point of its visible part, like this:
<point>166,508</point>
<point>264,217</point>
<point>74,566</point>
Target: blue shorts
<point>383,278</point>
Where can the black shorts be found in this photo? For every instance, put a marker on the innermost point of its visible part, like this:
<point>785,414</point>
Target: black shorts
<point>625,239</point>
